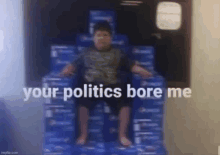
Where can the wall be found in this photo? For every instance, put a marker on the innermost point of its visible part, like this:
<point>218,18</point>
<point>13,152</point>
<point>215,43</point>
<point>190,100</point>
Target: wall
<point>192,125</point>
<point>23,119</point>
<point>11,50</point>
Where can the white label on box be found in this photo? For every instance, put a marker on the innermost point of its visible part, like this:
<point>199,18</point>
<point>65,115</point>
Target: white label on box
<point>107,109</point>
<point>49,113</point>
<point>54,54</point>
<point>137,140</point>
<point>45,85</point>
<point>136,127</point>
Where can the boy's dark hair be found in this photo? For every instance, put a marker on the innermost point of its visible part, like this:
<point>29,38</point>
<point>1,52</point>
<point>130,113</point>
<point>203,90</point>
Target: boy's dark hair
<point>103,26</point>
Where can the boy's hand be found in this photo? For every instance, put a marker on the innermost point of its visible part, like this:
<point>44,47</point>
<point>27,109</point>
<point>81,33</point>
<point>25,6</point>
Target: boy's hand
<point>142,71</point>
<point>67,71</point>
<point>145,74</point>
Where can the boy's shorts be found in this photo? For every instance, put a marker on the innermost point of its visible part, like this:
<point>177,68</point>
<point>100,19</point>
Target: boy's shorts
<point>114,103</point>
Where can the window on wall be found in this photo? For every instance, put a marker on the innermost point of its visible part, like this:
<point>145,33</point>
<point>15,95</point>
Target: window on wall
<point>169,16</point>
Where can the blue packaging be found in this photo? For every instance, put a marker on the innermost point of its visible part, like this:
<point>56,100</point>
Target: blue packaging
<point>60,109</point>
<point>57,79</point>
<point>85,40</point>
<point>143,51</point>
<point>60,113</point>
<point>53,122</point>
<point>90,148</point>
<point>151,149</point>
<point>57,149</point>
<point>63,129</point>
<point>53,80</point>
<point>107,109</point>
<point>59,100</point>
<point>81,48</point>
<point>95,118</point>
<point>101,15</point>
<point>95,123</point>
<point>97,110</point>
<point>61,106</point>
<point>61,56</point>
<point>95,131</point>
<point>114,148</point>
<point>143,127</point>
<point>150,104</point>
<point>149,93</point>
<point>59,125</point>
<point>111,128</point>
<point>60,128</point>
<point>156,81</point>
<point>140,125</point>
<point>59,137</point>
<point>149,143</point>
<point>147,149</point>
<point>120,41</point>
<point>143,112</point>
<point>143,55</point>
<point>151,109</point>
<point>97,137</point>
<point>147,138</point>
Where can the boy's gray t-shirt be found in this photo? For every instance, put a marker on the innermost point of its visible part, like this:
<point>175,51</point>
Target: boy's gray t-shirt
<point>102,67</point>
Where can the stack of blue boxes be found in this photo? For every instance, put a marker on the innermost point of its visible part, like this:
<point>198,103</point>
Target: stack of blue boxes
<point>148,115</point>
<point>60,117</point>
<point>148,110</point>
<point>144,56</point>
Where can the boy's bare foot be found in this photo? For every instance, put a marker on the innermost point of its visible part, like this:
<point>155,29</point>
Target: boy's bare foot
<point>81,140</point>
<point>125,141</point>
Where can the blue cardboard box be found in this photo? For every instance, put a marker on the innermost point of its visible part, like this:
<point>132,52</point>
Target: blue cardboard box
<point>90,148</point>
<point>59,125</point>
<point>110,130</point>
<point>61,56</point>
<point>59,137</point>
<point>101,15</point>
<point>57,149</point>
<point>143,55</point>
<point>114,148</point>
<point>86,40</point>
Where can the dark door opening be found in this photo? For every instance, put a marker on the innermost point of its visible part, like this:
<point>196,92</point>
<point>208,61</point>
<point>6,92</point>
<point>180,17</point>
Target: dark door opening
<point>57,22</point>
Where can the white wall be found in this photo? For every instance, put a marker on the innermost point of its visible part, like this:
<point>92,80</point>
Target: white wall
<point>24,119</point>
<point>11,48</point>
<point>193,124</point>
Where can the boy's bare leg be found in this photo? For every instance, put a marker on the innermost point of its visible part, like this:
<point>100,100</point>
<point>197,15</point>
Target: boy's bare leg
<point>123,126</point>
<point>83,122</point>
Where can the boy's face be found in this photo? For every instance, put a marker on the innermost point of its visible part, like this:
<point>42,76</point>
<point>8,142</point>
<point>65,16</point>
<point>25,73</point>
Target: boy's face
<point>102,39</point>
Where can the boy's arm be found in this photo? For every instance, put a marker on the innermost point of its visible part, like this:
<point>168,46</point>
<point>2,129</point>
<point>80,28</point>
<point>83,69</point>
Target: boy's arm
<point>140,70</point>
<point>71,68</point>
<point>68,70</point>
<point>133,67</point>
<point>126,62</point>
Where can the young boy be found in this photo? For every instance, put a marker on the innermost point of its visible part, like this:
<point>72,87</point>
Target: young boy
<point>102,65</point>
